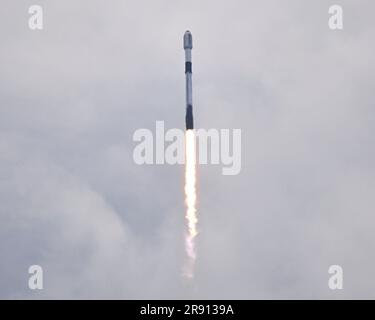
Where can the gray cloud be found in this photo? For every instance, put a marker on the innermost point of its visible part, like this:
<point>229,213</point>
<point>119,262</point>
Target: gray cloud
<point>101,226</point>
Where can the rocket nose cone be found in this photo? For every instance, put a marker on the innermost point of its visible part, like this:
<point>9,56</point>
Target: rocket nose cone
<point>188,40</point>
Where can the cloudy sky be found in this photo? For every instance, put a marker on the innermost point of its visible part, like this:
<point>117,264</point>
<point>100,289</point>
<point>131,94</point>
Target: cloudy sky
<point>73,201</point>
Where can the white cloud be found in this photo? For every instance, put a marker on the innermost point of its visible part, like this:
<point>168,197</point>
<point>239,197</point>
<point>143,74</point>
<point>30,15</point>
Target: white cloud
<point>73,201</point>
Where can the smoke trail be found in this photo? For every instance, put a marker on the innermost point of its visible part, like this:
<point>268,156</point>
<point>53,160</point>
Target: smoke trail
<point>190,200</point>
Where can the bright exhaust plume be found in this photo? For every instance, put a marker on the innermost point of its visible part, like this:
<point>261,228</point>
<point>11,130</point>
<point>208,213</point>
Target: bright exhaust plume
<point>190,201</point>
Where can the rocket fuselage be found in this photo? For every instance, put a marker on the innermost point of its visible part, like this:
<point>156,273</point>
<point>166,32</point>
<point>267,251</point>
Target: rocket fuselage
<point>188,46</point>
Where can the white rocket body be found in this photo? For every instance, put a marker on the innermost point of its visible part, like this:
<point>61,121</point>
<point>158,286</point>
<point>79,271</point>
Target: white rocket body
<point>188,46</point>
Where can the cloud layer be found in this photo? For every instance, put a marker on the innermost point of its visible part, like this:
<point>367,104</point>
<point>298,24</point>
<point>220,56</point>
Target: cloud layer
<point>73,200</point>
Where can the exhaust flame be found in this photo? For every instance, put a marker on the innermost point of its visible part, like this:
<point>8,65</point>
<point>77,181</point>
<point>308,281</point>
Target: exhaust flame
<point>190,200</point>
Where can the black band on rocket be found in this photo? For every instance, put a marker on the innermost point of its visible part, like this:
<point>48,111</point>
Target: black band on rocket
<point>188,67</point>
<point>189,117</point>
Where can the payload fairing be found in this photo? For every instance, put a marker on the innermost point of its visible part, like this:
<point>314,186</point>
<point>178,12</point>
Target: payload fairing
<point>188,46</point>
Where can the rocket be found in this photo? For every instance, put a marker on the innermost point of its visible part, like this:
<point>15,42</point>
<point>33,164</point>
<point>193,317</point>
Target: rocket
<point>188,46</point>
